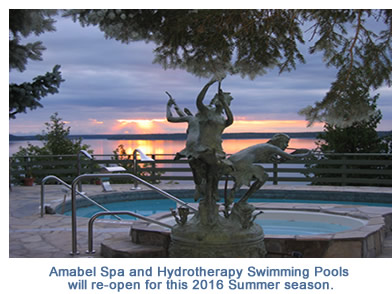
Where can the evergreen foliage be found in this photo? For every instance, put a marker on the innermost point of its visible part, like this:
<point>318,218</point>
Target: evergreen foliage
<point>360,137</point>
<point>55,142</point>
<point>250,42</point>
<point>56,138</point>
<point>23,23</point>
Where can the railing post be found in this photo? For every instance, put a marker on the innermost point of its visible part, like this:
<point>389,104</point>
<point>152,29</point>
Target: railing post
<point>91,165</point>
<point>79,171</point>
<point>135,183</point>
<point>26,168</point>
<point>73,216</point>
<point>42,197</point>
<point>275,173</point>
<point>9,174</point>
<point>153,173</point>
<point>344,171</point>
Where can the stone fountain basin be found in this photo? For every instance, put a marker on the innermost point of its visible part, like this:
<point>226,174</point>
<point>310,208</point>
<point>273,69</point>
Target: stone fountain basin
<point>295,222</point>
<point>363,237</point>
<point>283,222</point>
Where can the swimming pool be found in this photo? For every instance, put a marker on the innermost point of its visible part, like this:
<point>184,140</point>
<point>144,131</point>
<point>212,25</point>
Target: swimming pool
<point>153,206</point>
<point>346,240</point>
<point>150,203</point>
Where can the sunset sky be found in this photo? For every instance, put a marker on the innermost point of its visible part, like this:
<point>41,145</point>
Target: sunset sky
<point>113,88</point>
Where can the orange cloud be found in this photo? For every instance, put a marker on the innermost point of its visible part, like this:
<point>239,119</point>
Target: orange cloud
<point>262,126</point>
<point>240,125</point>
<point>142,123</point>
<point>139,125</point>
<point>95,122</point>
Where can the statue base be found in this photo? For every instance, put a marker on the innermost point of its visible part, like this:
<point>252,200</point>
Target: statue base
<point>224,238</point>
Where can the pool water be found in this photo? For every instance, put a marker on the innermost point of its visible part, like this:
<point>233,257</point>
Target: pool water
<point>152,206</point>
<point>298,227</point>
<point>143,207</point>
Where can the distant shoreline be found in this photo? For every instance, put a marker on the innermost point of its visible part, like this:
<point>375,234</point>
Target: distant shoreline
<point>178,136</point>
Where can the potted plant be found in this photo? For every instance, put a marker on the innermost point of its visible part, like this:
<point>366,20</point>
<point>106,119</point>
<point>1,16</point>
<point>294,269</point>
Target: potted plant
<point>28,180</point>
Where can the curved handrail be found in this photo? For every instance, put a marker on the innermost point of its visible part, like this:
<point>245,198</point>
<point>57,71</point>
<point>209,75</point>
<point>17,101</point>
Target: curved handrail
<point>44,180</point>
<point>98,214</point>
<point>111,175</point>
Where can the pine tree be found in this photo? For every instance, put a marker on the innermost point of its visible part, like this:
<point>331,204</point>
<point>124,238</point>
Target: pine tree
<point>359,137</point>
<point>24,22</point>
<point>56,141</point>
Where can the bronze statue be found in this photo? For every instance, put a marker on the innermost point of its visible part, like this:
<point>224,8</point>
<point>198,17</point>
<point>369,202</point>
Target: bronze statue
<point>244,161</point>
<point>245,169</point>
<point>204,139</point>
<point>208,233</point>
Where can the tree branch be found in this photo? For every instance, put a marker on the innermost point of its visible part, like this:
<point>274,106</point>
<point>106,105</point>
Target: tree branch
<point>359,25</point>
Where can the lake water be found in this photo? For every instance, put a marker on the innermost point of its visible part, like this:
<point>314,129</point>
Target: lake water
<point>230,146</point>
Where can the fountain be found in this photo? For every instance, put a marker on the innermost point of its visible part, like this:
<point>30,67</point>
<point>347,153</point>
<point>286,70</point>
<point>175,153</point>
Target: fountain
<point>232,228</point>
<point>211,232</point>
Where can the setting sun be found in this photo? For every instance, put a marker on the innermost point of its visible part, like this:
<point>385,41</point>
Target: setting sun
<point>241,125</point>
<point>142,124</point>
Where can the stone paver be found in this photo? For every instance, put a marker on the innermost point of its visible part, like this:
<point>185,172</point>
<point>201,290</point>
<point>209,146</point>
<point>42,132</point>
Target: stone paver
<point>50,236</point>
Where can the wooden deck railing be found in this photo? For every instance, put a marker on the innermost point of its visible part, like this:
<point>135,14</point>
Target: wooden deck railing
<point>333,169</point>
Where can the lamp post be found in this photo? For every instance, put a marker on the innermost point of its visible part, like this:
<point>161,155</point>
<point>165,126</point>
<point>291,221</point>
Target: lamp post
<point>143,158</point>
<point>89,156</point>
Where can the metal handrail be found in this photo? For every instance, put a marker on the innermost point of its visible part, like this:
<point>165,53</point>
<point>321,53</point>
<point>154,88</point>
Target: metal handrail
<point>118,175</point>
<point>98,214</point>
<point>69,187</point>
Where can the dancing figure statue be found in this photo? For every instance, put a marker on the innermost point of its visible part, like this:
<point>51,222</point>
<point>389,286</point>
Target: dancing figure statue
<point>203,147</point>
<point>246,169</point>
<point>208,233</point>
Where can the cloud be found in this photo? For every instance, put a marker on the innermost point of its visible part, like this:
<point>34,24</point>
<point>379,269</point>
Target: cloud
<point>106,80</point>
<point>95,122</point>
